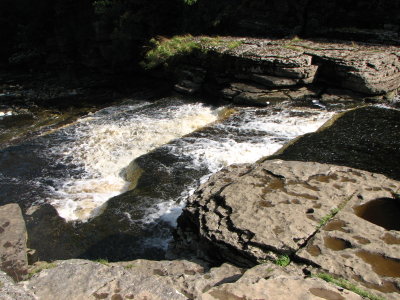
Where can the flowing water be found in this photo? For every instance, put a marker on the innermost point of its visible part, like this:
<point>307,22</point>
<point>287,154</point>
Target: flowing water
<point>113,183</point>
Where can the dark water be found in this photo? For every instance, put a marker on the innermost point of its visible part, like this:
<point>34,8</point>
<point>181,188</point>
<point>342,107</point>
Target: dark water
<point>73,183</point>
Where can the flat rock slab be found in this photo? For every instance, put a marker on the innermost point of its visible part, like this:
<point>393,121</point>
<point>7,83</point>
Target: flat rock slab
<point>269,281</point>
<point>13,237</point>
<point>80,279</point>
<point>362,242</point>
<point>139,279</point>
<point>282,288</point>
<point>258,211</point>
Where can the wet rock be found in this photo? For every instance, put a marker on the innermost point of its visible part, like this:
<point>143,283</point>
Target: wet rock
<point>260,99</point>
<point>273,81</point>
<point>13,257</point>
<point>11,291</point>
<point>302,94</point>
<point>366,138</point>
<point>248,213</point>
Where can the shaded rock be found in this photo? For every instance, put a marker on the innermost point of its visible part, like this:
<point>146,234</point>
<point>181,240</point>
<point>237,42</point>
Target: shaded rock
<point>260,99</point>
<point>367,71</point>
<point>366,138</point>
<point>273,81</point>
<point>253,94</point>
<point>248,213</point>
<point>10,291</point>
<point>13,258</point>
<point>302,94</point>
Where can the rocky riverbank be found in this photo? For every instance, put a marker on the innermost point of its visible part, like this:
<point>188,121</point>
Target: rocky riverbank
<point>276,229</point>
<point>264,71</point>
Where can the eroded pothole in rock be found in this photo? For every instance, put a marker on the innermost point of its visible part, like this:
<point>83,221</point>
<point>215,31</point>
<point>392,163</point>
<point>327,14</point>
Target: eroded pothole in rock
<point>383,266</point>
<point>384,212</point>
<point>336,244</point>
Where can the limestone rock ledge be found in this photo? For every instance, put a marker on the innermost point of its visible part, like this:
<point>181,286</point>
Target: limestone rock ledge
<point>247,214</point>
<point>337,218</point>
<point>262,71</point>
<point>172,280</point>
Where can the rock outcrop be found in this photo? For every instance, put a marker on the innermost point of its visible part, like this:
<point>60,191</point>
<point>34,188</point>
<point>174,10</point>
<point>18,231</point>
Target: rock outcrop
<point>337,218</point>
<point>139,279</point>
<point>13,237</point>
<point>250,213</point>
<point>142,279</point>
<point>263,71</point>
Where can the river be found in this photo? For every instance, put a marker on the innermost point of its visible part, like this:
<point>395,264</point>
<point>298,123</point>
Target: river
<point>111,184</point>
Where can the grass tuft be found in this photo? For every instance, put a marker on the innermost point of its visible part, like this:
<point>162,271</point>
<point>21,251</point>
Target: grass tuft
<point>130,266</point>
<point>102,261</point>
<point>348,286</point>
<point>328,217</point>
<point>40,267</point>
<point>163,50</point>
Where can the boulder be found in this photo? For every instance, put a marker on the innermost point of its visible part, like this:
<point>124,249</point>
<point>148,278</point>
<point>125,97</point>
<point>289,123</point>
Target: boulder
<point>13,238</point>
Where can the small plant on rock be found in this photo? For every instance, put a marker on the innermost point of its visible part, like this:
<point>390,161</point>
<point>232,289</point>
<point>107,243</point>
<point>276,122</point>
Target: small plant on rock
<point>348,286</point>
<point>283,260</point>
<point>38,267</point>
<point>102,261</point>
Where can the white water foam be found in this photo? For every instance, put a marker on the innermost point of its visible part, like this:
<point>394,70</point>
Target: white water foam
<point>103,144</point>
<point>242,139</point>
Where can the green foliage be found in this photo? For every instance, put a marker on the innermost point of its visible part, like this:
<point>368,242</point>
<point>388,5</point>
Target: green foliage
<point>234,44</point>
<point>190,2</point>
<point>330,215</point>
<point>40,267</point>
<point>102,261</point>
<point>130,266</point>
<point>283,260</point>
<point>348,286</point>
<point>163,50</point>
